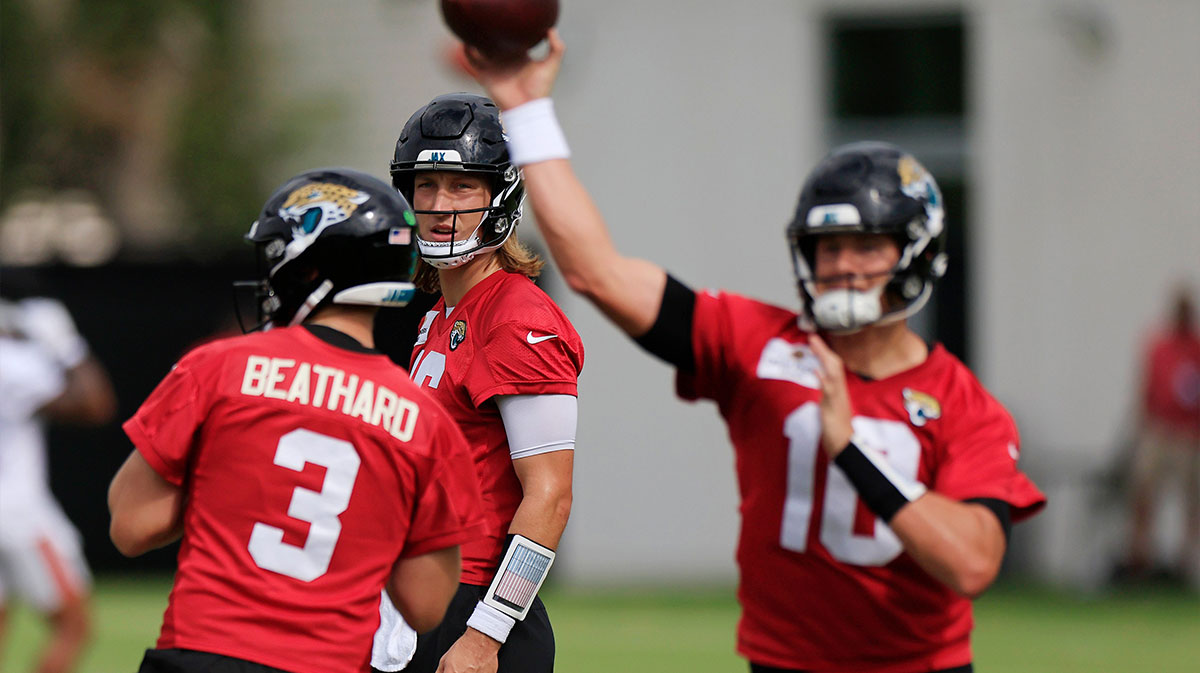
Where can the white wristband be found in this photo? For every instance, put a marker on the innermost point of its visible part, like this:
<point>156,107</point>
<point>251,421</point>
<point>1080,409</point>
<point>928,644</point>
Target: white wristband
<point>534,134</point>
<point>491,622</point>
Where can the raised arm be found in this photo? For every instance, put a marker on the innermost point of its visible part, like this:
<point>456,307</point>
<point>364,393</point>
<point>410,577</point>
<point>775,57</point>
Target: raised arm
<point>628,290</point>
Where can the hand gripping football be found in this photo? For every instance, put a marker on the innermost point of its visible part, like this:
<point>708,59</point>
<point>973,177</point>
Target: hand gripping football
<point>500,28</point>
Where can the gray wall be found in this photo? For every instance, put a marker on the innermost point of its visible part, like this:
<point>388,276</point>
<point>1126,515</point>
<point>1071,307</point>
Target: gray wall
<point>1087,170</point>
<point>693,122</point>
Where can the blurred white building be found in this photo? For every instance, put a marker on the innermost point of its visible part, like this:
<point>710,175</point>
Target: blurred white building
<point>1077,148</point>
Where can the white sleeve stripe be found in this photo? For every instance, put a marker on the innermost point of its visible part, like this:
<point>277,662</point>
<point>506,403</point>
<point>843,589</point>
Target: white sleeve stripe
<point>566,445</point>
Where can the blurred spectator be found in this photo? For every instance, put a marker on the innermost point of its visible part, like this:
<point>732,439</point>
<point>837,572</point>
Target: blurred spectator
<point>1168,443</point>
<point>46,374</point>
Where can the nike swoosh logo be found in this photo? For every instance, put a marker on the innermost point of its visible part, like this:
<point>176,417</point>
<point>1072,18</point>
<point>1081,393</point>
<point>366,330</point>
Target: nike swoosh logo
<point>537,340</point>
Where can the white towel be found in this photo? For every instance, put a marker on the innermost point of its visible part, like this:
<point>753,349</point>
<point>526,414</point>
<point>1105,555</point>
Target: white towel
<point>395,641</point>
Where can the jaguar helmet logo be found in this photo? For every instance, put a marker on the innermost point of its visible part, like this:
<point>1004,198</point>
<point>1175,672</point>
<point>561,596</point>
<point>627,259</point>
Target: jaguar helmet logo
<point>917,183</point>
<point>319,205</point>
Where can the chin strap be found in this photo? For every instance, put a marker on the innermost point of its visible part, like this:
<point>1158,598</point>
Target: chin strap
<point>317,296</point>
<point>430,251</point>
<point>367,294</point>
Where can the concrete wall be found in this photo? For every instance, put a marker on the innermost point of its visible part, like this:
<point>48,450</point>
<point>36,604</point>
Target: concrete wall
<point>692,123</point>
<point>1087,166</point>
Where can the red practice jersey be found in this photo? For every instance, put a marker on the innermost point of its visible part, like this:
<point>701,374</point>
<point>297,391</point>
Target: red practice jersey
<point>825,584</point>
<point>309,469</point>
<point>1172,385</point>
<point>505,337</point>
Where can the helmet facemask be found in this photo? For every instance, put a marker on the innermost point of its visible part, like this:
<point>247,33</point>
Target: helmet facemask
<point>496,224</point>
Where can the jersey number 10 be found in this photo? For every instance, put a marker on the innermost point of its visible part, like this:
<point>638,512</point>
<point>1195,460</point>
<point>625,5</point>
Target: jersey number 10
<point>836,528</point>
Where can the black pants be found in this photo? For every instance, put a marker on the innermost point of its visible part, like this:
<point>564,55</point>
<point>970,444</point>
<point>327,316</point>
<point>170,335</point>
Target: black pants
<point>757,668</point>
<point>528,649</point>
<point>192,661</point>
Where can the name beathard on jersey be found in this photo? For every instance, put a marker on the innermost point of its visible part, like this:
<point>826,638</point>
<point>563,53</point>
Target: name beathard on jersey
<point>321,386</point>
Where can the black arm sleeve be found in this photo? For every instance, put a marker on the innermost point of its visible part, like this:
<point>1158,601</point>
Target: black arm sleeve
<point>670,338</point>
<point>1000,509</point>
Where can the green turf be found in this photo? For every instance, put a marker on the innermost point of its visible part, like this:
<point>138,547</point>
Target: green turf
<point>1019,629</point>
<point>126,614</point>
<point>1034,630</point>
<point>650,630</point>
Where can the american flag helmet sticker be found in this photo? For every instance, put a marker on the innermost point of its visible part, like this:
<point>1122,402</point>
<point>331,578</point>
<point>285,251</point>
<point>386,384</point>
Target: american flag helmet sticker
<point>400,236</point>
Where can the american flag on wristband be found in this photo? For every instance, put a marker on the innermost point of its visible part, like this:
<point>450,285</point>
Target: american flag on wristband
<point>520,579</point>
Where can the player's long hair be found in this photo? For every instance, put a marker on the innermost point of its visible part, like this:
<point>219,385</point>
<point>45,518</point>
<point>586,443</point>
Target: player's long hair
<point>514,257</point>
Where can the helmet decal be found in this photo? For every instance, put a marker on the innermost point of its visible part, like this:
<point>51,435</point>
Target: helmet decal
<point>834,214</point>
<point>917,183</point>
<point>320,204</point>
<point>438,156</point>
<point>400,235</point>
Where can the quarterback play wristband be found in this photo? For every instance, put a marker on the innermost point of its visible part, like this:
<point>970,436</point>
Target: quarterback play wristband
<point>522,571</point>
<point>534,134</point>
<point>880,487</point>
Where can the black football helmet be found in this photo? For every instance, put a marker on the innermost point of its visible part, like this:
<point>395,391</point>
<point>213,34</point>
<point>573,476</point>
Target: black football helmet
<point>870,187</point>
<point>461,132</point>
<point>333,235</point>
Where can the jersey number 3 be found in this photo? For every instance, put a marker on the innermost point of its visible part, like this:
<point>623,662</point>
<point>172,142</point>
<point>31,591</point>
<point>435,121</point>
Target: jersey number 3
<point>803,430</point>
<point>319,508</point>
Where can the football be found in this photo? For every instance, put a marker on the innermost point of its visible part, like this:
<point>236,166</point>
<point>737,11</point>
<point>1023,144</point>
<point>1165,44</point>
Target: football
<point>500,28</point>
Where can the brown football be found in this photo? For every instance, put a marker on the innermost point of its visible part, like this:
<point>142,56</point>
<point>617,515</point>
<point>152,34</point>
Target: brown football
<point>500,27</point>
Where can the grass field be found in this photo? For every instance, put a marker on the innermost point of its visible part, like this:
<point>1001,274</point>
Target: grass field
<point>1019,629</point>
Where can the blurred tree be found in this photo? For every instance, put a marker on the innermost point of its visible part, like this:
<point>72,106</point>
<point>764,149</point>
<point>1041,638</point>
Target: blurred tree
<point>149,105</point>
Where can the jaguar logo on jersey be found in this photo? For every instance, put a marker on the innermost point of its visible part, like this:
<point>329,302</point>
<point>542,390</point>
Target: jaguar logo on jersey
<point>318,205</point>
<point>458,333</point>
<point>922,407</point>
